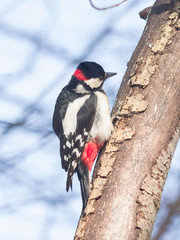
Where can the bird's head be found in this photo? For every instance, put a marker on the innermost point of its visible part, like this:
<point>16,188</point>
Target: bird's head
<point>88,76</point>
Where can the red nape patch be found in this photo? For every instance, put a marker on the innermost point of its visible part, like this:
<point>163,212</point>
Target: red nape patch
<point>79,75</point>
<point>89,154</point>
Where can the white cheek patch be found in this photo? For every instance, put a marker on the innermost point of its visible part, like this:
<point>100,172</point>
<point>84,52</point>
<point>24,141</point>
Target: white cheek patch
<point>94,82</point>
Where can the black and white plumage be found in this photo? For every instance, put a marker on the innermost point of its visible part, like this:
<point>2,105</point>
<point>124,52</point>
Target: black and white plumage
<point>82,122</point>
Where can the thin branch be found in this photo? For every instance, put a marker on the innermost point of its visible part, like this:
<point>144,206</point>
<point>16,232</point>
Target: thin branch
<point>112,6</point>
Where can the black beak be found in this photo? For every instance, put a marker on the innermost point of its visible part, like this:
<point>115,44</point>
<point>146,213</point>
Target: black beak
<point>109,74</point>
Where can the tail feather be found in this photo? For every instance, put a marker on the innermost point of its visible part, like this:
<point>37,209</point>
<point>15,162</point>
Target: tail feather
<point>69,178</point>
<point>83,176</point>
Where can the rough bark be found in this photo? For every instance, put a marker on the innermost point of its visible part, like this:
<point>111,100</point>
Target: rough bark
<point>131,171</point>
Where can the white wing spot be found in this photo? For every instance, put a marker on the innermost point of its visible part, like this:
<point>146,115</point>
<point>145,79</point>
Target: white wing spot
<point>74,164</point>
<point>79,137</point>
<point>75,150</point>
<point>85,132</point>
<point>65,158</point>
<point>68,144</point>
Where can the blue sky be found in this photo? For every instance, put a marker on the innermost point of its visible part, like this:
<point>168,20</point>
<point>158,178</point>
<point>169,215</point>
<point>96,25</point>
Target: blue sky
<point>41,43</point>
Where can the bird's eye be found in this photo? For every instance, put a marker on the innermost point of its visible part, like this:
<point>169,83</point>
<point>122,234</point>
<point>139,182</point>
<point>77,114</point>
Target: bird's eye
<point>101,78</point>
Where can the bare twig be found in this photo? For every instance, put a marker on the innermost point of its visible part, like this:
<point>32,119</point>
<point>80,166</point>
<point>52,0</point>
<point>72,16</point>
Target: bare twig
<point>112,6</point>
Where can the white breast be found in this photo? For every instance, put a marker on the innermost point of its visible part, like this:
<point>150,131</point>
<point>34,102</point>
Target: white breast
<point>102,126</point>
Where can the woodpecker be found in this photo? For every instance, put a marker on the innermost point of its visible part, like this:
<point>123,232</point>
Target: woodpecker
<point>82,122</point>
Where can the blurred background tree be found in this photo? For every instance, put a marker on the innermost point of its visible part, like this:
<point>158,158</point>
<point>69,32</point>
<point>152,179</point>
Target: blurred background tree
<point>41,43</point>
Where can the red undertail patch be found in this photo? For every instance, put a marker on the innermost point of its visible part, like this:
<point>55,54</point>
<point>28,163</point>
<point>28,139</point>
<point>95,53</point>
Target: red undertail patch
<point>79,75</point>
<point>90,153</point>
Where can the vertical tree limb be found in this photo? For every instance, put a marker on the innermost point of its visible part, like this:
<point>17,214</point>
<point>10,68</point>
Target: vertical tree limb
<point>130,174</point>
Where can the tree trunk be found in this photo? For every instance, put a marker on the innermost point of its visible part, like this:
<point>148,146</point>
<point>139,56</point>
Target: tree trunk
<point>131,171</point>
